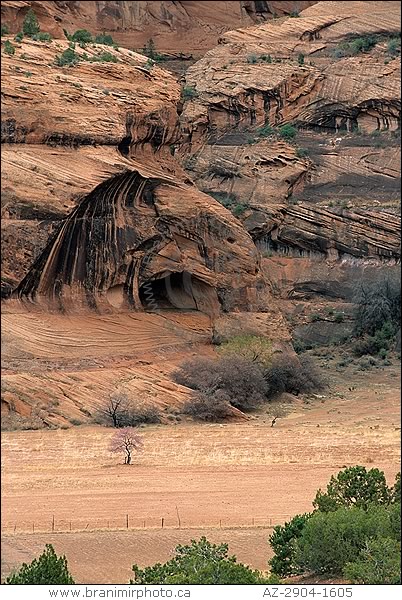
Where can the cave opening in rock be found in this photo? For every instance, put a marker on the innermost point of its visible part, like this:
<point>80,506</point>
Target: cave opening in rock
<point>176,291</point>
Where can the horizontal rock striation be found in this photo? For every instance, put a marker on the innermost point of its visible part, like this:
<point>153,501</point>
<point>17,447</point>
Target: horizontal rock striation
<point>125,227</point>
<point>303,230</point>
<point>175,26</point>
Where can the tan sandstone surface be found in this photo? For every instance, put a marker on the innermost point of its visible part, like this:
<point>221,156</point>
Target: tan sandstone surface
<point>175,26</point>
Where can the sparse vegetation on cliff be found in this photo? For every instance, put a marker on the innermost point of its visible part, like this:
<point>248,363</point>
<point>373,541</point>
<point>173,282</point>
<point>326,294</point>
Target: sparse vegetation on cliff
<point>30,25</point>
<point>8,48</point>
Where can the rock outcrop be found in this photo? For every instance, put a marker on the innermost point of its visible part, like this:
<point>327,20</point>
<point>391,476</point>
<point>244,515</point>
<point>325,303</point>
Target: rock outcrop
<point>138,232</point>
<point>332,188</point>
<point>175,26</point>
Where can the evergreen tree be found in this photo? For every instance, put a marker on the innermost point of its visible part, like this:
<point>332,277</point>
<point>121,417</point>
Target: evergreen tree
<point>30,26</point>
<point>47,569</point>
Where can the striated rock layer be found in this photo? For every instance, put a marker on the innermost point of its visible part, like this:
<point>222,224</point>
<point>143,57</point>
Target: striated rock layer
<point>332,189</point>
<point>175,26</point>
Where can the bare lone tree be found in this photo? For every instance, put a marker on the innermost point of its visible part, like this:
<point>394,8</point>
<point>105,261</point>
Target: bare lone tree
<point>126,440</point>
<point>116,408</point>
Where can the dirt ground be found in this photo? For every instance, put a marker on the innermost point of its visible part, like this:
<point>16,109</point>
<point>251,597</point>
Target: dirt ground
<point>246,476</point>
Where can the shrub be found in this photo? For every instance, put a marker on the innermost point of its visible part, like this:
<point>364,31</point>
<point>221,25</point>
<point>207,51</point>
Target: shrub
<point>300,59</point>
<point>379,303</point>
<point>82,35</point>
<point>394,46</point>
<point>331,540</point>
<point>373,344</point>
<point>47,569</point>
<point>239,209</point>
<point>200,562</point>
<point>30,25</point>
<point>8,48</point>
<point>266,58</point>
<point>379,563</point>
<point>5,29</point>
<point>293,375</point>
<point>252,59</point>
<point>301,152</point>
<point>68,58</point>
<point>396,489</point>
<point>339,317</point>
<point>294,14</point>
<point>266,130</point>
<point>315,317</point>
<point>241,380</point>
<point>150,51</point>
<point>287,132</point>
<point>354,486</point>
<point>19,37</point>
<point>189,92</point>
<point>121,411</point>
<point>282,542</point>
<point>105,39</point>
<point>43,37</point>
<point>211,407</point>
<point>105,57</point>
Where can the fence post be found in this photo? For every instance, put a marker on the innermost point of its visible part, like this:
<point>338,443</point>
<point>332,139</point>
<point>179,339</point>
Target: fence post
<point>127,521</point>
<point>220,523</point>
<point>70,525</point>
<point>53,523</point>
<point>144,523</point>
<point>162,522</point>
<point>33,527</point>
<point>178,517</point>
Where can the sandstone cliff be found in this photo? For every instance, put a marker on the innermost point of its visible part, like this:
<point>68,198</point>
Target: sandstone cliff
<point>135,220</point>
<point>190,27</point>
<point>345,156</point>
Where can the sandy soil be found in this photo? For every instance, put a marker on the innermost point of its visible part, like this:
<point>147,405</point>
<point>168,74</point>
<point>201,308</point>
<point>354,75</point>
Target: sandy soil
<point>241,475</point>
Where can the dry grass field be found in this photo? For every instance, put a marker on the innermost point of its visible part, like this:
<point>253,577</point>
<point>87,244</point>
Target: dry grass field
<point>229,482</point>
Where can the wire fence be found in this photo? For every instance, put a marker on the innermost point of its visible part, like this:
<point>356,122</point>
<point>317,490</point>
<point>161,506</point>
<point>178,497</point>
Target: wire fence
<point>53,524</point>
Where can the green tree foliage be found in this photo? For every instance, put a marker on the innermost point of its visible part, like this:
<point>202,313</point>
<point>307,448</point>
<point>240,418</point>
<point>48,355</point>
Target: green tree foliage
<point>355,486</point>
<point>47,569</point>
<point>200,562</point>
<point>287,132</point>
<point>394,46</point>
<point>189,92</point>
<point>30,25</point>
<point>82,36</point>
<point>104,38</point>
<point>282,541</point>
<point>5,29</point>
<point>330,540</point>
<point>150,50</point>
<point>8,48</point>
<point>379,563</point>
<point>300,59</point>
<point>68,58</point>
<point>396,490</point>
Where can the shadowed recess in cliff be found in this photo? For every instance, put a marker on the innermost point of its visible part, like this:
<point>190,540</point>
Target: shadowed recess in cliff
<point>116,250</point>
